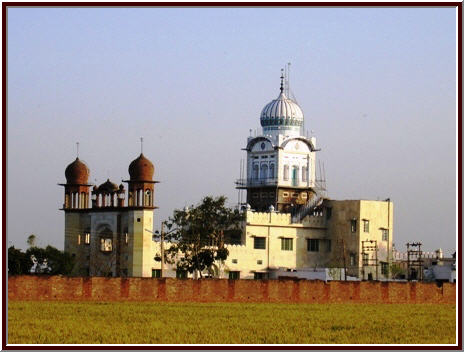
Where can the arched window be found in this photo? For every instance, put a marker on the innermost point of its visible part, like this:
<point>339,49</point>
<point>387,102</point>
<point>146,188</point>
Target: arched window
<point>285,172</point>
<point>66,200</point>
<point>304,176</point>
<point>106,240</point>
<point>271,171</point>
<point>255,171</point>
<point>147,197</point>
<point>295,178</point>
<point>264,171</point>
<point>131,199</point>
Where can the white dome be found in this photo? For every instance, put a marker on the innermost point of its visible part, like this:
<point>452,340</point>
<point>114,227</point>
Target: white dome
<point>282,111</point>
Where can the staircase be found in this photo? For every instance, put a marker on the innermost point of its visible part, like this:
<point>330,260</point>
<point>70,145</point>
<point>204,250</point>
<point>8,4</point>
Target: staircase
<point>307,209</point>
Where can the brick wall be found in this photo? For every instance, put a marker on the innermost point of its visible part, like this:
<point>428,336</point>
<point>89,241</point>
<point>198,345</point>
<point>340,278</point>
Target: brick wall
<point>63,288</point>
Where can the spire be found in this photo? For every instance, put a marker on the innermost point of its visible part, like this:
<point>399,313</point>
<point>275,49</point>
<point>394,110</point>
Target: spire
<point>77,150</point>
<point>281,80</point>
<point>141,145</point>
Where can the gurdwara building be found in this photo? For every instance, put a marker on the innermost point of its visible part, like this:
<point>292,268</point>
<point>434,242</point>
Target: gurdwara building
<point>291,227</point>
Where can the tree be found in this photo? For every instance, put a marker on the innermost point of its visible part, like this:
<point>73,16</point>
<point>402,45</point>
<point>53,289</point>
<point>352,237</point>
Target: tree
<point>31,240</point>
<point>396,271</point>
<point>197,234</point>
<point>20,263</point>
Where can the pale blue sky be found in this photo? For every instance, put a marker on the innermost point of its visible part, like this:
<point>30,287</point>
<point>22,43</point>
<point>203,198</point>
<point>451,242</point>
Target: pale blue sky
<point>377,87</point>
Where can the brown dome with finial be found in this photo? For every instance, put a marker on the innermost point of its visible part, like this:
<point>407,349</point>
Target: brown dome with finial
<point>77,173</point>
<point>108,187</point>
<point>141,169</point>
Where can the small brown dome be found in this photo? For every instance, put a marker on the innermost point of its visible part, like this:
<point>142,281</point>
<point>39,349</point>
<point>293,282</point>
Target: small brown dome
<point>141,169</point>
<point>108,187</point>
<point>77,173</point>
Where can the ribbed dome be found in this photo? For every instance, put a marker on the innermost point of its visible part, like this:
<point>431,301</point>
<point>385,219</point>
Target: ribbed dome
<point>108,187</point>
<point>77,173</point>
<point>282,111</point>
<point>141,169</point>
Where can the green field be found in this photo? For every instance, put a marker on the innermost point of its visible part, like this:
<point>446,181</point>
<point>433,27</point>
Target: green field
<point>229,323</point>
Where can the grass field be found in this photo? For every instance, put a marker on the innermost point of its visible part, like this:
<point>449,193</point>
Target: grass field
<point>229,323</point>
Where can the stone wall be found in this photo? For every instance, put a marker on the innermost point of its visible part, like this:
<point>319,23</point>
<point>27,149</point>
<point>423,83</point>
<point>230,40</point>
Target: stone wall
<point>62,288</point>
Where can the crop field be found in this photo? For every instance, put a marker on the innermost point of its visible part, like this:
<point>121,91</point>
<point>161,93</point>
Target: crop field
<point>229,323</point>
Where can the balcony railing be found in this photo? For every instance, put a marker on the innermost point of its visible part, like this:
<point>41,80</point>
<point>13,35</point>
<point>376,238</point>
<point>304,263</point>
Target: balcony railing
<point>252,182</point>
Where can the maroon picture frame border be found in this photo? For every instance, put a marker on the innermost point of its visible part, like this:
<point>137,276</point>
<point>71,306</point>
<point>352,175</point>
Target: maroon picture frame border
<point>6,5</point>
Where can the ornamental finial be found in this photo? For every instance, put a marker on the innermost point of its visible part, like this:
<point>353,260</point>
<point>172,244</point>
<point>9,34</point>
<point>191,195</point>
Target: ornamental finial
<point>281,80</point>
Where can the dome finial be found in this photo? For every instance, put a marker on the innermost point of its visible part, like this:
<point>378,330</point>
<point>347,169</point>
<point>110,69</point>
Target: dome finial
<point>281,80</point>
<point>141,145</point>
<point>77,150</point>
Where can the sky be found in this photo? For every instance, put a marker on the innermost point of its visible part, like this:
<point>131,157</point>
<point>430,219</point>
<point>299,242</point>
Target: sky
<point>377,87</point>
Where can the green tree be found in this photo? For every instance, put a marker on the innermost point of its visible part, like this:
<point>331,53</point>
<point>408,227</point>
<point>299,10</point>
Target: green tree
<point>18,263</point>
<point>61,263</point>
<point>396,271</point>
<point>197,234</point>
<point>31,240</point>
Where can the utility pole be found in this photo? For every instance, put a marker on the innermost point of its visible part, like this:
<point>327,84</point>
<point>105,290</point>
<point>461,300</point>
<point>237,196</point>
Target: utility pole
<point>344,257</point>
<point>162,248</point>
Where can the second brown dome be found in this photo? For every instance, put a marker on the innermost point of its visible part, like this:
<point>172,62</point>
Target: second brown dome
<point>141,169</point>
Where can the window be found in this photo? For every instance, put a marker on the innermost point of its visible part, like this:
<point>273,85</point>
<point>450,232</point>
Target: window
<point>87,238</point>
<point>234,261</point>
<point>384,268</point>
<point>156,273</point>
<point>352,259</point>
<point>126,238</point>
<point>263,171</point>
<point>106,244</point>
<point>78,239</point>
<point>138,219</point>
<point>295,176</point>
<point>285,194</point>
<point>304,195</point>
<point>313,245</point>
<point>295,195</point>
<point>271,171</point>
<point>366,225</point>
<point>255,195</point>
<point>147,197</point>
<point>287,244</point>
<point>304,170</point>
<point>286,172</point>
<point>255,171</point>
<point>384,234</point>
<point>354,225</point>
<point>260,276</point>
<point>259,262</point>
<point>259,243</point>
<point>181,274</point>
<point>234,275</point>
<point>264,195</point>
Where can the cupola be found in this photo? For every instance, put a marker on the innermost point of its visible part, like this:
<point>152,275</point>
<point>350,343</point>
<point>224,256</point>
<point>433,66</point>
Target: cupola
<point>141,169</point>
<point>77,173</point>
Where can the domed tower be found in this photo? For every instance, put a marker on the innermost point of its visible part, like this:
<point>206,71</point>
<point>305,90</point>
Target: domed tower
<point>141,183</point>
<point>76,188</point>
<point>280,172</point>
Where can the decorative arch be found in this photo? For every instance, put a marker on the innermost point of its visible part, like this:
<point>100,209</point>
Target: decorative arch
<point>253,141</point>
<point>304,140</point>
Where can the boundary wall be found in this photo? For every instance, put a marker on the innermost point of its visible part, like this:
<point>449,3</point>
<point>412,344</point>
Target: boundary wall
<point>62,288</point>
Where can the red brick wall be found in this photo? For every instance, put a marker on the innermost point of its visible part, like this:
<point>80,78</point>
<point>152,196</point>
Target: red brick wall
<point>173,290</point>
